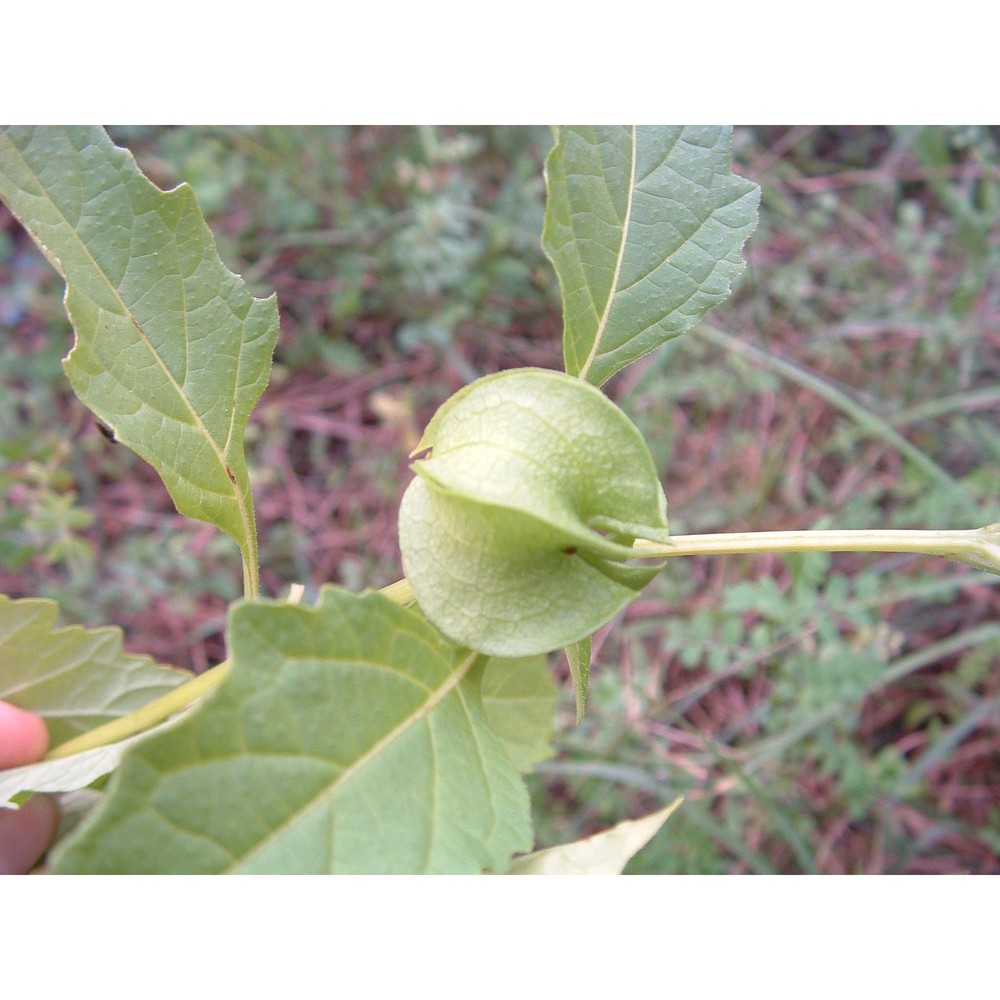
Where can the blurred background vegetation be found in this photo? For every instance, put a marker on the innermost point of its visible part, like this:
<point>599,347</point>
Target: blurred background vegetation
<point>820,714</point>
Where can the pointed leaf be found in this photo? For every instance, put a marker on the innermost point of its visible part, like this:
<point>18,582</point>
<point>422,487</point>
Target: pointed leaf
<point>75,678</point>
<point>517,531</point>
<point>520,698</point>
<point>348,737</point>
<point>605,853</point>
<point>171,352</point>
<point>644,226</point>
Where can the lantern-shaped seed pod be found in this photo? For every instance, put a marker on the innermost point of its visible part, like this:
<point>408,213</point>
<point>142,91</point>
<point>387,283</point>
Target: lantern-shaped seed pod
<point>516,533</point>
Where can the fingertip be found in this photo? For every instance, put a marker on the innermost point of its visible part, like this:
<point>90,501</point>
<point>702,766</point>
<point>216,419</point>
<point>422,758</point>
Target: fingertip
<point>26,833</point>
<point>23,736</point>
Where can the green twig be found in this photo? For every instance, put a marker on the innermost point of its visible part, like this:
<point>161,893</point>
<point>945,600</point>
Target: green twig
<point>161,709</point>
<point>151,714</point>
<point>979,547</point>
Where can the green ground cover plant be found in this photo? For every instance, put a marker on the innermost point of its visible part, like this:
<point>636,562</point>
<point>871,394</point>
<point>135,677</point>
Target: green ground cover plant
<point>536,515</point>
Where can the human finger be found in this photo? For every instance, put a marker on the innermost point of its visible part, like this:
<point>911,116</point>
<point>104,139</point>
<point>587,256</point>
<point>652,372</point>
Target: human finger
<point>23,736</point>
<point>25,834</point>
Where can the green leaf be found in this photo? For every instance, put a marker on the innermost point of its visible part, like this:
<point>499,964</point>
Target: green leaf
<point>520,698</point>
<point>644,226</point>
<point>75,678</point>
<point>171,351</point>
<point>348,737</point>
<point>578,658</point>
<point>517,530</point>
<point>605,853</point>
<point>65,774</point>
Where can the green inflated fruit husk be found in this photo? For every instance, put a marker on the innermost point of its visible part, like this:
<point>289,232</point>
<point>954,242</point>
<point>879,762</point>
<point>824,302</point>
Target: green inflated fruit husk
<point>516,532</point>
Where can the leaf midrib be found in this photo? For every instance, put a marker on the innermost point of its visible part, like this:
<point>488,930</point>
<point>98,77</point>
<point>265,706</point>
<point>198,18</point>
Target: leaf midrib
<point>618,263</point>
<point>328,791</point>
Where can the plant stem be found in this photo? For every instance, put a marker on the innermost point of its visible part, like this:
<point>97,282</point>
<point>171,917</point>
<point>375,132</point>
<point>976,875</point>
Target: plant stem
<point>399,592</point>
<point>143,718</point>
<point>159,710</point>
<point>979,547</point>
<point>250,584</point>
